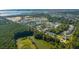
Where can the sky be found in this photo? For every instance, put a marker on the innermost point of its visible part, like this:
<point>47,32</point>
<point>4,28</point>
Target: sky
<point>37,4</point>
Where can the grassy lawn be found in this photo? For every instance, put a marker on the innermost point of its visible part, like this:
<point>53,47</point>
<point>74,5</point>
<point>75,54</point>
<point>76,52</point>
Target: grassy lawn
<point>25,43</point>
<point>28,43</point>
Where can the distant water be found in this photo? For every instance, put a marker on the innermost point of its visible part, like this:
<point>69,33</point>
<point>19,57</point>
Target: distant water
<point>33,11</point>
<point>8,13</point>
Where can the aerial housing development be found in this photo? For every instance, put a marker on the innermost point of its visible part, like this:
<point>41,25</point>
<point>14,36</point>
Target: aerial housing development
<point>55,29</point>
